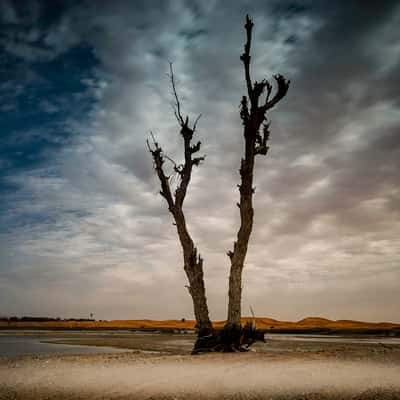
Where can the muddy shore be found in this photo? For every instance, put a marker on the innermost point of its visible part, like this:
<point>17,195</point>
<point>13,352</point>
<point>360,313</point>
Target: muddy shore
<point>159,367</point>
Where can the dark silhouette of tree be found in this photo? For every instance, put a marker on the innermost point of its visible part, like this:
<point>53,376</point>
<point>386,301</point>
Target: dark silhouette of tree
<point>193,263</point>
<point>253,114</point>
<point>233,337</point>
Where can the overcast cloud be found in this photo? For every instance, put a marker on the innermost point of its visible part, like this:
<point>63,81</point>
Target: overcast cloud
<point>83,228</point>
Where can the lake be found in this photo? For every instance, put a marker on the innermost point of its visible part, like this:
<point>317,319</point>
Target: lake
<point>30,343</point>
<point>17,345</point>
<point>333,338</point>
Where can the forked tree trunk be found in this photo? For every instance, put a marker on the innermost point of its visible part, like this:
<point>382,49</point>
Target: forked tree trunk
<point>233,337</point>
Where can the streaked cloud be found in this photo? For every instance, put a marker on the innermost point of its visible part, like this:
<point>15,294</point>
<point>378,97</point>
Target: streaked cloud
<point>83,228</point>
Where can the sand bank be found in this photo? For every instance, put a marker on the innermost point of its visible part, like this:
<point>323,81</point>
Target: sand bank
<point>216,376</point>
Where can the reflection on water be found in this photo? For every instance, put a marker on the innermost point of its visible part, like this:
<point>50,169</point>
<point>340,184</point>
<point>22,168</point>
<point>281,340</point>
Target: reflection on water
<point>332,338</point>
<point>17,345</point>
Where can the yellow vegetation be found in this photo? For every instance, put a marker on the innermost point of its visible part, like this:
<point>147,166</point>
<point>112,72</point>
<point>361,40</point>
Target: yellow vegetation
<point>262,323</point>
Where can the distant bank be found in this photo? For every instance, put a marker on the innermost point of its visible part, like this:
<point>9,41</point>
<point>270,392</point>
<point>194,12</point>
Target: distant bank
<point>306,325</point>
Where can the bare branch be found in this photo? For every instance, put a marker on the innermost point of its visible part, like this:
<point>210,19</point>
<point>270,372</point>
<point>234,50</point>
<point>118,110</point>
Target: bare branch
<point>177,112</point>
<point>244,110</point>
<point>186,173</point>
<point>245,57</point>
<point>158,159</point>
<point>195,123</point>
<point>261,141</point>
<point>254,324</point>
<point>196,161</point>
<point>269,90</point>
<point>195,148</point>
<point>154,140</point>
<point>148,145</point>
<point>177,168</point>
<point>283,86</point>
<point>252,312</point>
<point>171,160</point>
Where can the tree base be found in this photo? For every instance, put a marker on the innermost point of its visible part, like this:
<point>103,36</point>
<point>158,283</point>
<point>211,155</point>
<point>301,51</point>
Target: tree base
<point>229,339</point>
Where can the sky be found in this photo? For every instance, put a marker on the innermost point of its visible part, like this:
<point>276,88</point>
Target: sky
<point>82,226</point>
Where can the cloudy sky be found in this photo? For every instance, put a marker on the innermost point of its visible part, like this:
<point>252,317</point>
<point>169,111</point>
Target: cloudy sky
<point>82,227</point>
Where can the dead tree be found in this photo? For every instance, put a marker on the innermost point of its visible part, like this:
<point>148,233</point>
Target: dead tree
<point>253,114</point>
<point>233,337</point>
<point>192,260</point>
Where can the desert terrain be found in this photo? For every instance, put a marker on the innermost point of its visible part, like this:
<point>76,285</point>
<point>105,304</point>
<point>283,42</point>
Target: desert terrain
<point>267,324</point>
<point>159,366</point>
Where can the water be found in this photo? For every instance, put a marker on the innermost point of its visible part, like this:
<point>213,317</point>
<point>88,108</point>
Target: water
<point>332,338</point>
<point>17,345</point>
<point>12,345</point>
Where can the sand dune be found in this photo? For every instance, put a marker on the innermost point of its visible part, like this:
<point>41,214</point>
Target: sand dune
<point>262,323</point>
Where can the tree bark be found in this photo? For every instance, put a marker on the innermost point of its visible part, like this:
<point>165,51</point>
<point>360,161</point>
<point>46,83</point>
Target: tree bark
<point>255,143</point>
<point>193,266</point>
<point>246,226</point>
<point>193,263</point>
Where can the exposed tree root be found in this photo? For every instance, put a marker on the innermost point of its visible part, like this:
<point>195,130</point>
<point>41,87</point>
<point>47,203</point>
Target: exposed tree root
<point>229,339</point>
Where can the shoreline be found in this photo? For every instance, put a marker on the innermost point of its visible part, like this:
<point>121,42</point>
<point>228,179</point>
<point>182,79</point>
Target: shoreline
<point>340,346</point>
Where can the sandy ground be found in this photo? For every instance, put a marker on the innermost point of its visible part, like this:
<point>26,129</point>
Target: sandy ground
<point>280,370</point>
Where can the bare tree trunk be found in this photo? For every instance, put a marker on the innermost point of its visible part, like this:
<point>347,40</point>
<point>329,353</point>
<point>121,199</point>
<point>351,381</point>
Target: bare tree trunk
<point>193,263</point>
<point>255,143</point>
<point>246,225</point>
